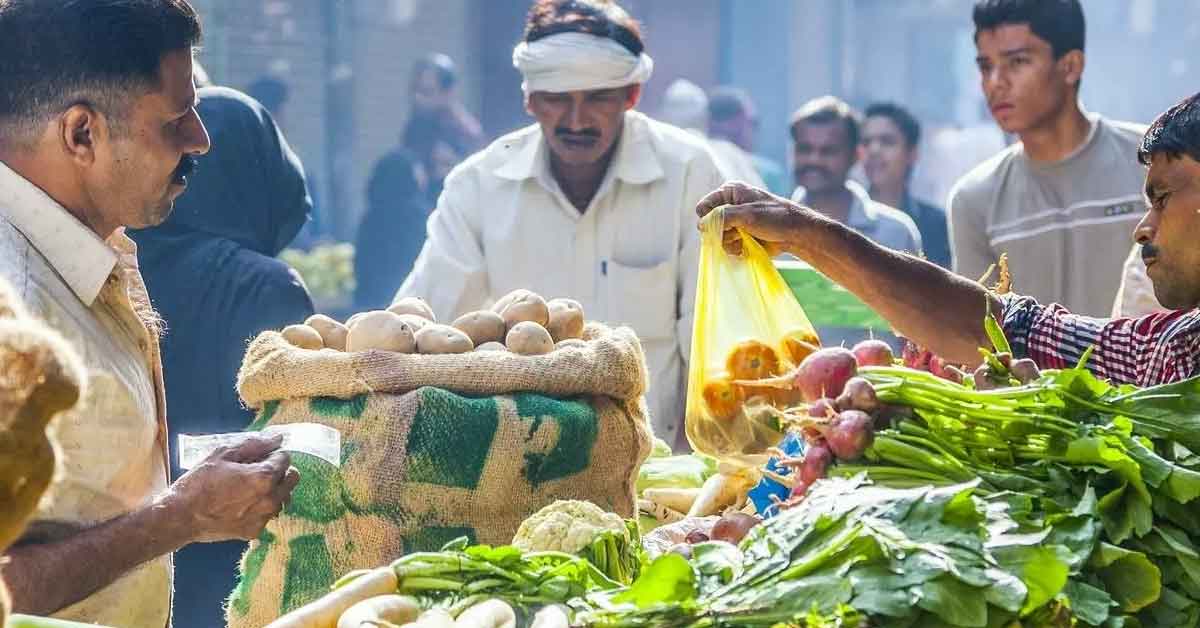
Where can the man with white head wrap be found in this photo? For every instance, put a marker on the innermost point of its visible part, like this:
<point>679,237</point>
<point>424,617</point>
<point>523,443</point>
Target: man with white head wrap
<point>591,202</point>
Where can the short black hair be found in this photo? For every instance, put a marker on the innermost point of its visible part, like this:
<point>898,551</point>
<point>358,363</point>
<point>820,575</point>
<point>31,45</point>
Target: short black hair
<point>726,102</point>
<point>1059,22</point>
<point>909,127</point>
<point>603,18</point>
<point>58,53</point>
<point>442,66</point>
<point>1175,133</point>
<point>826,110</point>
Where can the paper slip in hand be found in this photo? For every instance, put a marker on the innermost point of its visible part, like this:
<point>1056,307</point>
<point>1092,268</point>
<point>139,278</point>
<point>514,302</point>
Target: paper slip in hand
<point>314,439</point>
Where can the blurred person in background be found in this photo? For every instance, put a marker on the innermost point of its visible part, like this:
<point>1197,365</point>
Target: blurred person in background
<point>1063,200</point>
<point>593,201</point>
<point>685,105</point>
<point>392,230</point>
<point>99,133</point>
<point>825,138</point>
<point>270,92</point>
<point>1135,295</point>
<point>733,118</point>
<point>435,100</point>
<point>890,140</point>
<point>212,275</point>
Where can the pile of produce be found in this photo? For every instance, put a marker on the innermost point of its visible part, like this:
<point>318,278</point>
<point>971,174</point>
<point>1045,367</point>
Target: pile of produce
<point>522,322</point>
<point>1045,448</point>
<point>327,269</point>
<point>561,553</point>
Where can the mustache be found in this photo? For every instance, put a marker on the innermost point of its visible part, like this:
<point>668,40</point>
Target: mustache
<point>576,134</point>
<point>1149,251</point>
<point>800,172</point>
<point>187,165</point>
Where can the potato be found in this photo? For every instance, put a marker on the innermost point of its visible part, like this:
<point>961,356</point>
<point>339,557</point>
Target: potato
<point>333,333</point>
<point>414,321</point>
<point>566,319</point>
<point>413,305</point>
<point>434,339</point>
<point>570,342</point>
<point>491,346</point>
<point>303,336</point>
<point>528,307</point>
<point>519,293</point>
<point>482,327</point>
<point>529,338</point>
<point>382,331</point>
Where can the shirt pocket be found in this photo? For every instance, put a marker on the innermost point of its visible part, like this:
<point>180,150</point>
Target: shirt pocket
<point>643,297</point>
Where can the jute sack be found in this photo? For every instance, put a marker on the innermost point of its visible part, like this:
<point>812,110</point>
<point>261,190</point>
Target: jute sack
<point>435,447</point>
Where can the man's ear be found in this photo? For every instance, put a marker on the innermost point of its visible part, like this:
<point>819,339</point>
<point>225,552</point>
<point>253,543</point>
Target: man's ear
<point>632,96</point>
<point>527,109</point>
<point>80,127</point>
<point>1071,65</point>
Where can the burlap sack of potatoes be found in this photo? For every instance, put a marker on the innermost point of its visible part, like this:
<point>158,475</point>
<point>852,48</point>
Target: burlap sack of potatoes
<point>40,376</point>
<point>435,447</point>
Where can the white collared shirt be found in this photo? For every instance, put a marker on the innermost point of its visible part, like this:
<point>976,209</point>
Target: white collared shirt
<point>503,223</point>
<point>112,445</point>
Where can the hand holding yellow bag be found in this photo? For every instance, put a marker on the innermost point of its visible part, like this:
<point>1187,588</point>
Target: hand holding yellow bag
<point>748,326</point>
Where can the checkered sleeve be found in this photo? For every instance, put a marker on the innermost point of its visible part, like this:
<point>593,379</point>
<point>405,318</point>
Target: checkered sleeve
<point>1154,349</point>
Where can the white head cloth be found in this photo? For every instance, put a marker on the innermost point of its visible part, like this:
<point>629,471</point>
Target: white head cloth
<point>569,62</point>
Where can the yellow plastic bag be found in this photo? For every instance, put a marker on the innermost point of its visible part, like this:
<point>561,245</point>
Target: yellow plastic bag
<point>748,325</point>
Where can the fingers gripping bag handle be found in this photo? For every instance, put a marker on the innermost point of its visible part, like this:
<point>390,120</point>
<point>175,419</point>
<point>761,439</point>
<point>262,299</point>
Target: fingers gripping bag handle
<point>748,326</point>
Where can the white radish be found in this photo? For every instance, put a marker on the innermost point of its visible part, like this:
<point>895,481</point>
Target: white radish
<point>719,492</point>
<point>487,614</point>
<point>372,612</point>
<point>325,612</point>
<point>680,499</point>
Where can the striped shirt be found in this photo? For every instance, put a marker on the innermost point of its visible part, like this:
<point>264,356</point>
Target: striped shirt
<point>1155,349</point>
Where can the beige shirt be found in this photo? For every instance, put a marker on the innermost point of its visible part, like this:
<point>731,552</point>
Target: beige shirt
<point>113,444</point>
<point>503,223</point>
<point>1064,224</point>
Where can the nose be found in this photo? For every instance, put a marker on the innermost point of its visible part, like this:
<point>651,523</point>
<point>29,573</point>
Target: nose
<point>575,115</point>
<point>199,142</point>
<point>1146,229</point>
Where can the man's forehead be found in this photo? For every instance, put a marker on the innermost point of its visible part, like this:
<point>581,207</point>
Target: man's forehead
<point>1170,171</point>
<point>831,131</point>
<point>1009,38</point>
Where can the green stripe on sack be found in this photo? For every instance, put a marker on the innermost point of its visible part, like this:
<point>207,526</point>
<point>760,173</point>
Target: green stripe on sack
<point>239,600</point>
<point>309,572</point>
<point>578,427</point>
<point>450,452</point>
<point>320,495</point>
<point>264,416</point>
<point>334,408</point>
<point>432,539</point>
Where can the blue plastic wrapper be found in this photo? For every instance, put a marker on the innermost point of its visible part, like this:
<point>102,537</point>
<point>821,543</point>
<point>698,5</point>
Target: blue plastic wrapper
<point>792,445</point>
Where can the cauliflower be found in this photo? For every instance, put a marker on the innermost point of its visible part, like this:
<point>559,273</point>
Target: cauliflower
<point>566,526</point>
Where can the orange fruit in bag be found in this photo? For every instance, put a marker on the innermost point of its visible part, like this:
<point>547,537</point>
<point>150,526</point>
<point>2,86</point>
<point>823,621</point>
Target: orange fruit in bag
<point>724,398</point>
<point>752,359</point>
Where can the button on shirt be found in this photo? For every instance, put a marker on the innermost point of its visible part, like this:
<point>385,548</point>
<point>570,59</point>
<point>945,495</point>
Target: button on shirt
<point>112,445</point>
<point>884,225</point>
<point>630,258</point>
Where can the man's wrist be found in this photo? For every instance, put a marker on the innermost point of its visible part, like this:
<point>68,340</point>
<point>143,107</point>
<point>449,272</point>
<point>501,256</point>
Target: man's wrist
<point>171,519</point>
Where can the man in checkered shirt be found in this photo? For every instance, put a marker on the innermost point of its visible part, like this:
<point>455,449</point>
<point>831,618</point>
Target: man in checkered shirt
<point>943,311</point>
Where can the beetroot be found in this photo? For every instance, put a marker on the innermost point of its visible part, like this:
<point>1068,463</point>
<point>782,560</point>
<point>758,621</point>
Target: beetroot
<point>915,356</point>
<point>850,435</point>
<point>694,537</point>
<point>817,458</point>
<point>822,408</point>
<point>825,373</point>
<point>873,353</point>
<point>985,378</point>
<point>859,394</point>
<point>732,527</point>
<point>944,370</point>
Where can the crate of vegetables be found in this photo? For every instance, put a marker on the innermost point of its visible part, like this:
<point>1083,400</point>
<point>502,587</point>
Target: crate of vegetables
<point>450,430</point>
